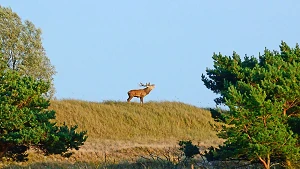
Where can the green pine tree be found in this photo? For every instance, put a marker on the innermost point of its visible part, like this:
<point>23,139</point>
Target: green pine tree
<point>263,97</point>
<point>26,122</point>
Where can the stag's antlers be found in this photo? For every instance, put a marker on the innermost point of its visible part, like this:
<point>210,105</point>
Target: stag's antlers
<point>146,85</point>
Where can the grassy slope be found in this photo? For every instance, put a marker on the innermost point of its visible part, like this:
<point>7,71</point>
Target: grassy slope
<point>119,131</point>
<point>154,121</point>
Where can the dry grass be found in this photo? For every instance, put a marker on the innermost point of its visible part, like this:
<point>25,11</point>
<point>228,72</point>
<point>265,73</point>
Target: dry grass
<point>119,131</point>
<point>154,121</point>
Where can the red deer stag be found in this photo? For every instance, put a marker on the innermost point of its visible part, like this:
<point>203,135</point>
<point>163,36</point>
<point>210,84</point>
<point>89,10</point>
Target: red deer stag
<point>140,93</point>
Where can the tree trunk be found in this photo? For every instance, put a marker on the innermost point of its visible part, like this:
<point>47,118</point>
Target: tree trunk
<point>3,149</point>
<point>266,162</point>
<point>284,112</point>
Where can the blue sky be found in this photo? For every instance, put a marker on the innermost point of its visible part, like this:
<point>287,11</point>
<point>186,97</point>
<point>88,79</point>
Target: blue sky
<point>102,49</point>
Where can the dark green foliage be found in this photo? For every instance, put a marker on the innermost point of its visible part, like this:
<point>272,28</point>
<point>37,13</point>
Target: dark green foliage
<point>211,154</point>
<point>17,153</point>
<point>218,114</point>
<point>263,96</point>
<point>294,123</point>
<point>227,70</point>
<point>188,148</point>
<point>62,138</point>
<point>25,119</point>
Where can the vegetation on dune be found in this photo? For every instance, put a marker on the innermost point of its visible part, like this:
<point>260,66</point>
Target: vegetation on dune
<point>129,135</point>
<point>154,121</point>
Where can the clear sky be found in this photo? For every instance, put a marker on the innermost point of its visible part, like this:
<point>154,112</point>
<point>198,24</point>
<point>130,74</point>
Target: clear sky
<point>101,49</point>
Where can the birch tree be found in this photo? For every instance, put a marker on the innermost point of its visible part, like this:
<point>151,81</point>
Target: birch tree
<point>21,47</point>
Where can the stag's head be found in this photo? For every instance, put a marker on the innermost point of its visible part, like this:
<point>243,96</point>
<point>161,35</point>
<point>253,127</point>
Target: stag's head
<point>148,85</point>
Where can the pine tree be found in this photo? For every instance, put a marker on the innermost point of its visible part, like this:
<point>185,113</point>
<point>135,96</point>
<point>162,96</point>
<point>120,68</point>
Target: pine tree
<point>25,120</point>
<point>263,97</point>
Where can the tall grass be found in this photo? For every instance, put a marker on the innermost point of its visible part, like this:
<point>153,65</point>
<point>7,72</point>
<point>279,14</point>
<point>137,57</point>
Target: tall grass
<point>154,121</point>
<point>120,133</point>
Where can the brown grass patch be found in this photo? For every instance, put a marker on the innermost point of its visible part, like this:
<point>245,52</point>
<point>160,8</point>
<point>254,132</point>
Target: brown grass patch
<point>119,131</point>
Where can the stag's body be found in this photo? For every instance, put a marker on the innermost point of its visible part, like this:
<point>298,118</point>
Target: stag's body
<point>140,93</point>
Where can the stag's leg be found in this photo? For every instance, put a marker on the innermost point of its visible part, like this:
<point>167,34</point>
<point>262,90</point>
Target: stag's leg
<point>141,100</point>
<point>129,98</point>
